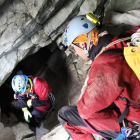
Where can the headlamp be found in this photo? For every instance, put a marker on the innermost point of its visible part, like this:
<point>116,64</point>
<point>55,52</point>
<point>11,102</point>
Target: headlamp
<point>92,18</point>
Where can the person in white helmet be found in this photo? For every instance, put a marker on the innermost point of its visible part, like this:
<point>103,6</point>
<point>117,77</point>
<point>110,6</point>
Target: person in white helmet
<point>82,35</point>
<point>32,94</point>
<point>113,89</point>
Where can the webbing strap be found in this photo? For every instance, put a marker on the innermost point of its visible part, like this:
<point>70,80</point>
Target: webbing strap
<point>89,40</point>
<point>121,118</point>
<point>115,51</point>
<point>112,43</point>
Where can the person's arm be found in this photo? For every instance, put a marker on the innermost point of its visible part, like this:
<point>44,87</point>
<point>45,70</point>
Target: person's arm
<point>102,87</point>
<point>21,102</point>
<point>37,102</point>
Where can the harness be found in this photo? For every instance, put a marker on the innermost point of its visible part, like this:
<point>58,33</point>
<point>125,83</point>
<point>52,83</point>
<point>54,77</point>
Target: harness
<point>127,133</point>
<point>121,118</point>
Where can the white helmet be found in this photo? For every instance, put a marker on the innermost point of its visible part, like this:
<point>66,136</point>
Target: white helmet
<point>77,26</point>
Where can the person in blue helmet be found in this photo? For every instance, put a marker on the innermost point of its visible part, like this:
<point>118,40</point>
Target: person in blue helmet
<point>32,92</point>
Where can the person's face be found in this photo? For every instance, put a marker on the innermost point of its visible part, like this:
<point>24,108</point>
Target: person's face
<point>78,49</point>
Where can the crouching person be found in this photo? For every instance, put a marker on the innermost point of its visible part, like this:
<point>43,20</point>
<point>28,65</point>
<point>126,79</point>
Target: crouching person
<point>32,96</point>
<point>112,91</point>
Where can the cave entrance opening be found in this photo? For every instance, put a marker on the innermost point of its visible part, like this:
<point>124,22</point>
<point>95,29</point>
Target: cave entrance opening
<point>52,66</point>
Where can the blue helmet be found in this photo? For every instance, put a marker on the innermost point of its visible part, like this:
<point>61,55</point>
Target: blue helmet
<point>19,83</point>
<point>76,27</point>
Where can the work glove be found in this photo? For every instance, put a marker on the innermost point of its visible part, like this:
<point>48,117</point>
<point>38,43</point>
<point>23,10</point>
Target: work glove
<point>27,114</point>
<point>29,103</point>
<point>135,38</point>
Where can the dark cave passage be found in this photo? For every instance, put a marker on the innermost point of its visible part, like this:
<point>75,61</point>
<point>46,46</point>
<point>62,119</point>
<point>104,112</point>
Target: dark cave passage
<point>52,66</point>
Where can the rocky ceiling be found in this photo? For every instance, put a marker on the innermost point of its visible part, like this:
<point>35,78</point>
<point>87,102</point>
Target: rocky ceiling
<point>35,27</point>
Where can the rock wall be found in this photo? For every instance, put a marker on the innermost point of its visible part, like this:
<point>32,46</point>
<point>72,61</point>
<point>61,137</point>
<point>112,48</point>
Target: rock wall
<point>26,26</point>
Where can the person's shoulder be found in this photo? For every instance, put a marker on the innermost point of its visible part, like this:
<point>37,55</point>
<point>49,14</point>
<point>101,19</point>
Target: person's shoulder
<point>40,80</point>
<point>107,58</point>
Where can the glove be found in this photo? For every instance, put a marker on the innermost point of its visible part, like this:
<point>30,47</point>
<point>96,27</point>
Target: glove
<point>27,114</point>
<point>29,103</point>
<point>135,38</point>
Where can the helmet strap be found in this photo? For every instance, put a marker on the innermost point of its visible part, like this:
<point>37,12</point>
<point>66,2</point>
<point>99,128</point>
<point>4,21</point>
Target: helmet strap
<point>89,40</point>
<point>86,51</point>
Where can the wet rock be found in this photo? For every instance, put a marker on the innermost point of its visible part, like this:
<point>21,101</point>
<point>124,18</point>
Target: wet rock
<point>6,64</point>
<point>31,138</point>
<point>41,131</point>
<point>22,24</point>
<point>58,133</point>
<point>41,39</point>
<point>21,130</point>
<point>6,133</point>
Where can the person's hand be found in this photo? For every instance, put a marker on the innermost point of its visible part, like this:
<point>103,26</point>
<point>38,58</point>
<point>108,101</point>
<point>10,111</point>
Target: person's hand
<point>27,114</point>
<point>29,103</point>
<point>135,38</point>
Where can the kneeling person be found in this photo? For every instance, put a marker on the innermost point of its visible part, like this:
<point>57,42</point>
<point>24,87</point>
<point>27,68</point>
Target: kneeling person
<point>32,92</point>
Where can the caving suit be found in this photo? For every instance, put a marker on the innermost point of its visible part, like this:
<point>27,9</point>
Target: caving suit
<point>101,105</point>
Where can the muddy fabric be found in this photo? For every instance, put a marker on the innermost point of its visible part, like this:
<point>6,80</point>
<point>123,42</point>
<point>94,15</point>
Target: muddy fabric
<point>74,125</point>
<point>109,78</point>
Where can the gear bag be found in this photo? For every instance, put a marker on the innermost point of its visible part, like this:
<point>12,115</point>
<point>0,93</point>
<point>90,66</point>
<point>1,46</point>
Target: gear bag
<point>132,57</point>
<point>51,97</point>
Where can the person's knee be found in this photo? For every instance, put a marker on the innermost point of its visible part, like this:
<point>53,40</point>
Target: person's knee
<point>62,114</point>
<point>66,112</point>
<point>63,110</point>
<point>38,113</point>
